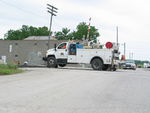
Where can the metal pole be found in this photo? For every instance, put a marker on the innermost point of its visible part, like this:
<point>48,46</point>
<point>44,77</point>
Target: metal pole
<point>117,35</point>
<point>124,49</point>
<point>129,55</point>
<point>132,55</point>
<point>50,30</point>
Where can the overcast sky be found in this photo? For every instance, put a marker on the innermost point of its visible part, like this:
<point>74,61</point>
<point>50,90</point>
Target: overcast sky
<point>131,16</point>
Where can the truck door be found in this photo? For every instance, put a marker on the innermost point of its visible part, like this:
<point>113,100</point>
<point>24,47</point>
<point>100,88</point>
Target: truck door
<point>61,51</point>
<point>72,54</point>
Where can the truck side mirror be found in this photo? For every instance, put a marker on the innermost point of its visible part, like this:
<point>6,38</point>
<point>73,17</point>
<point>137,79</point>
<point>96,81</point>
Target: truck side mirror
<point>55,45</point>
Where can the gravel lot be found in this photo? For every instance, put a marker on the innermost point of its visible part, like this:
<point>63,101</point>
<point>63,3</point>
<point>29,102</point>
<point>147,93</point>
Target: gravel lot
<point>73,90</point>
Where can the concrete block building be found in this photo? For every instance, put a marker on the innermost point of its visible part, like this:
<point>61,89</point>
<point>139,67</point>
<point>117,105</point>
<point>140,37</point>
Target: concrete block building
<point>21,51</point>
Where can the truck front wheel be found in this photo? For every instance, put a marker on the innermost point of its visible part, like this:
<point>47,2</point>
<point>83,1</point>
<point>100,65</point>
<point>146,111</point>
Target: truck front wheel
<point>51,62</point>
<point>97,64</point>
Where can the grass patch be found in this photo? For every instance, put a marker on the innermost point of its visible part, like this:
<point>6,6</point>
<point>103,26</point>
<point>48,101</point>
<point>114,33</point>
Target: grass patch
<point>9,69</point>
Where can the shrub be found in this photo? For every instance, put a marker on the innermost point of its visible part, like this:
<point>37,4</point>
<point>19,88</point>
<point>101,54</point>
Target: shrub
<point>9,69</point>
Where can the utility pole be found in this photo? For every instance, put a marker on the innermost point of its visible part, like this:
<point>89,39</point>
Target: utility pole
<point>117,35</point>
<point>131,55</point>
<point>52,10</point>
<point>124,49</point>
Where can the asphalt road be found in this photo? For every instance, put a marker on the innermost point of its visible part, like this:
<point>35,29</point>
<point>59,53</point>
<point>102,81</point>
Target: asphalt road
<point>43,90</point>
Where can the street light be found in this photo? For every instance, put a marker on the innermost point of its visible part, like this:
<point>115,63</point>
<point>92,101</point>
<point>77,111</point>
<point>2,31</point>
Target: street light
<point>52,10</point>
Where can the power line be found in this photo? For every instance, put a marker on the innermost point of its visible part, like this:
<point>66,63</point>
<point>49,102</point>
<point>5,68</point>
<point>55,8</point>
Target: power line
<point>12,5</point>
<point>31,13</point>
<point>58,24</point>
<point>21,9</point>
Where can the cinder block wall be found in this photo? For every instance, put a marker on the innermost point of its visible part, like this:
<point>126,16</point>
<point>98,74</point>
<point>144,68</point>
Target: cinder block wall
<point>19,51</point>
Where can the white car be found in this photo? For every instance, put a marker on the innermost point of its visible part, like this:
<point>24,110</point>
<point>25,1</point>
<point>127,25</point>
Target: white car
<point>146,65</point>
<point>129,64</point>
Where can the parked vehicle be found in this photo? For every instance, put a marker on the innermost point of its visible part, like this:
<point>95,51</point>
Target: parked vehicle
<point>146,65</point>
<point>75,53</point>
<point>129,64</point>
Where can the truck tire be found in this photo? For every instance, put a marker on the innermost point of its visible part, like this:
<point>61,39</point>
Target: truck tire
<point>97,64</point>
<point>51,62</point>
<point>62,65</point>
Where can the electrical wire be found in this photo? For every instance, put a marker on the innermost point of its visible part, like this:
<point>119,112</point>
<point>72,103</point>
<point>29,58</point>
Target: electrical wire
<point>21,9</point>
<point>31,13</point>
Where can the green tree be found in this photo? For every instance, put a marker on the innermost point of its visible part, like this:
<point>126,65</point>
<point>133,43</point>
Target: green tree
<point>13,35</point>
<point>59,35</point>
<point>25,32</point>
<point>82,32</point>
<point>64,34</point>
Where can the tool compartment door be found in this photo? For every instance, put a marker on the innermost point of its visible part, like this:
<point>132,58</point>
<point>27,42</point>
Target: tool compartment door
<point>72,53</point>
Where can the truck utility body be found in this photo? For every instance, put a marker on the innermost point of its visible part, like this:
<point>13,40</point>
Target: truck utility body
<point>72,53</point>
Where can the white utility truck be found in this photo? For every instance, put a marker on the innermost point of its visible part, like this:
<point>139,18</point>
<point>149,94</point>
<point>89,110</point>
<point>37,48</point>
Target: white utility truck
<point>100,58</point>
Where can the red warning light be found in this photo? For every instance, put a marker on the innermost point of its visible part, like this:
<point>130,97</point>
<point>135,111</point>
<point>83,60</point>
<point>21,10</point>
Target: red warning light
<point>109,45</point>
